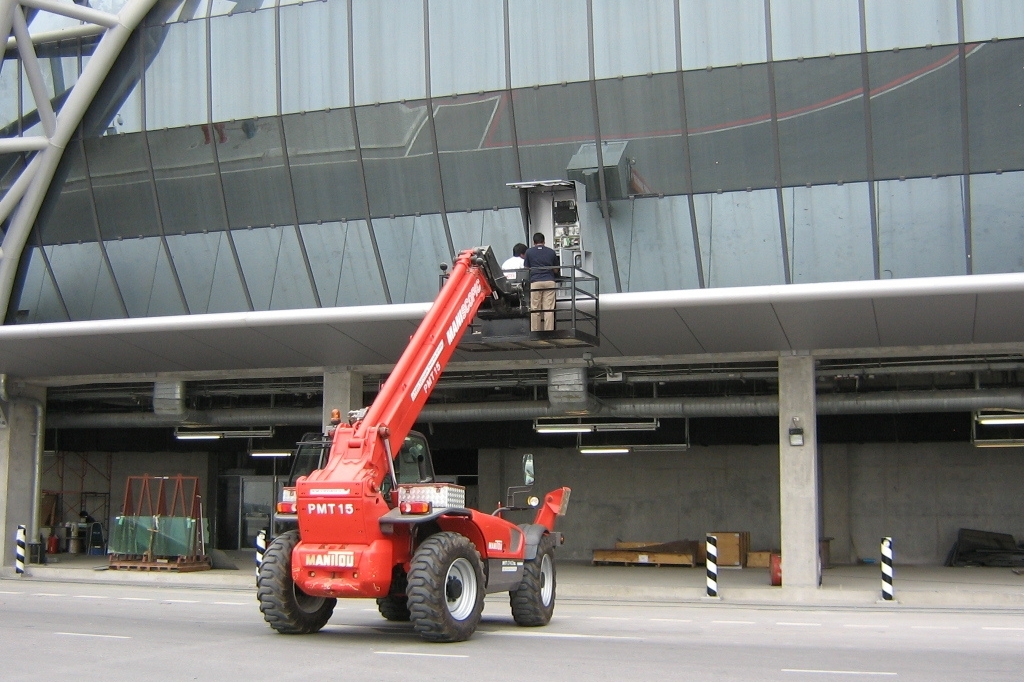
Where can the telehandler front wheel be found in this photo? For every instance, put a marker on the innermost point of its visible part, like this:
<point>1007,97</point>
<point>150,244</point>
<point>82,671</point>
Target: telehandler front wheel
<point>446,588</point>
<point>287,608</point>
<point>533,601</point>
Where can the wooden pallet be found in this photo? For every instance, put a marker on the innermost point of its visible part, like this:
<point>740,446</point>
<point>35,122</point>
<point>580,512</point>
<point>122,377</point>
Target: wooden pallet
<point>184,566</point>
<point>679,553</point>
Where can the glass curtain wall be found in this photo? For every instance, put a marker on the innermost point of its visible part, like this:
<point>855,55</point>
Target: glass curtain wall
<point>259,156</point>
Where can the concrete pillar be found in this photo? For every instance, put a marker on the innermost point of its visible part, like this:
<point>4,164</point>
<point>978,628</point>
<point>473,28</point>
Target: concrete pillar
<point>17,455</point>
<point>798,473</point>
<point>343,390</point>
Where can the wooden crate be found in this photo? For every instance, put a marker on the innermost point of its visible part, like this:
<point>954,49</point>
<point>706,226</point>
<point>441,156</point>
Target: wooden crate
<point>679,553</point>
<point>759,559</point>
<point>732,547</point>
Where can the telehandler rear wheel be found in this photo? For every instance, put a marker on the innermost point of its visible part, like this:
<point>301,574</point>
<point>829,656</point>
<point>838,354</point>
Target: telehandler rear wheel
<point>533,601</point>
<point>287,608</point>
<point>446,588</point>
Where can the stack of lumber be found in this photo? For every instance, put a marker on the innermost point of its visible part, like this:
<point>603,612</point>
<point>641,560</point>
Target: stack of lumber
<point>677,553</point>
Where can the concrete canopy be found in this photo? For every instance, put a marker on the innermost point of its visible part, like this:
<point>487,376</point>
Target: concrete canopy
<point>959,315</point>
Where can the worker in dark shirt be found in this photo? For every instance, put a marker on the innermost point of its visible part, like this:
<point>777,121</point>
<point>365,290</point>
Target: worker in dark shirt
<point>543,263</point>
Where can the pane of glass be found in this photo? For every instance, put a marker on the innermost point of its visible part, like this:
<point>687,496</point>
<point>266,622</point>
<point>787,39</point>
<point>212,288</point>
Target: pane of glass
<point>474,139</point>
<point>207,272</point>
<point>722,32</point>
<point>398,159</point>
<point>552,124</point>
<point>186,179</point>
<point>9,111</point>
<point>729,122</point>
<point>739,236</point>
<point>467,46</point>
<point>390,60</point>
<point>997,223</point>
<point>812,28</point>
<point>995,105</point>
<point>501,230</point>
<point>256,187</point>
<point>548,42</point>
<point>36,300</point>
<point>273,267</point>
<point>654,244</point>
<point>314,56</point>
<point>325,170</point>
<point>634,37</point>
<point>915,112</point>
<point>411,249</point>
<point>176,77</point>
<point>344,268</point>
<point>820,104</point>
<point>830,228</point>
<point>84,281</point>
<point>125,201</point>
<point>921,228</point>
<point>233,7</point>
<point>68,216</point>
<point>243,67</point>
<point>909,23</point>
<point>179,10</point>
<point>143,274</point>
<point>644,113</point>
<point>59,65</point>
<point>987,19</point>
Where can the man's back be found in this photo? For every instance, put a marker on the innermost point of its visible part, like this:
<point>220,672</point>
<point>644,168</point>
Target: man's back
<point>540,259</point>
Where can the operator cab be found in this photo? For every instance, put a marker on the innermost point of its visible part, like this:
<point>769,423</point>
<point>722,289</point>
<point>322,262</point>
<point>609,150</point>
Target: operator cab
<point>412,464</point>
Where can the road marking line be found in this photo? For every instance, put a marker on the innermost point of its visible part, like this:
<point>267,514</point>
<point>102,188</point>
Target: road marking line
<point>46,594</point>
<point>230,603</point>
<point>671,620</point>
<point>863,625</point>
<point>90,596</point>
<point>734,622</point>
<point>608,618</point>
<point>998,628</point>
<point>838,672</point>
<point>934,627</point>
<point>12,593</point>
<point>89,634</point>
<point>801,625</point>
<point>559,635</point>
<point>181,601</point>
<point>413,653</point>
<point>134,599</point>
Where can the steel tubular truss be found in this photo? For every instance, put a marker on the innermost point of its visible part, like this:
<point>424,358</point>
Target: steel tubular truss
<point>20,205</point>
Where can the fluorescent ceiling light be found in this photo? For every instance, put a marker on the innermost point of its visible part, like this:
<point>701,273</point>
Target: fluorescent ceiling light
<point>606,450</point>
<point>592,425</point>
<point>1008,443</point>
<point>650,425</point>
<point>564,428</point>
<point>1000,419</point>
<point>197,436</point>
<point>185,433</point>
<point>270,453</point>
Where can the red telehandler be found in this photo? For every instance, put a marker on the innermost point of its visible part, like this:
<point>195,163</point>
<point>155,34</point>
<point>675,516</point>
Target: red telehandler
<point>363,531</point>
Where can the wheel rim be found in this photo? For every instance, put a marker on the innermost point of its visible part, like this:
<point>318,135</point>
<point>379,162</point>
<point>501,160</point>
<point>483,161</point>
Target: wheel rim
<point>305,602</point>
<point>460,589</point>
<point>547,580</point>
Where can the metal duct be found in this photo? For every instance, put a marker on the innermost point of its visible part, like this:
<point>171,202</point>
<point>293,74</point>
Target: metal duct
<point>232,417</point>
<point>169,398</point>
<point>959,400</point>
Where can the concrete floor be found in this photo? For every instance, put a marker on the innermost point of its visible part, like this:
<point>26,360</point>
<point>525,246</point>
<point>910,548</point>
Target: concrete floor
<point>924,586</point>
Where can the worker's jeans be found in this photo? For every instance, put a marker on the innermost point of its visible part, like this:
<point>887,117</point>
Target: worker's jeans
<point>542,299</point>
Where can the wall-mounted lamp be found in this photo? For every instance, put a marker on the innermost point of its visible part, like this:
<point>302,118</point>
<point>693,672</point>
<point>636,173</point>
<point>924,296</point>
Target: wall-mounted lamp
<point>796,433</point>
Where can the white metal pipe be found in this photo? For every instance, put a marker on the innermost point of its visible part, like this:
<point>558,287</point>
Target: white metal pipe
<point>57,35</point>
<point>34,73</point>
<point>17,190</point>
<point>6,16</point>
<point>23,144</point>
<point>69,9</point>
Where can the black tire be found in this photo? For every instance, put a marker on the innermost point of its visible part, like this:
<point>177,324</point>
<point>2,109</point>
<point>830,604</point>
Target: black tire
<point>446,588</point>
<point>285,607</point>
<point>395,606</point>
<point>533,601</point>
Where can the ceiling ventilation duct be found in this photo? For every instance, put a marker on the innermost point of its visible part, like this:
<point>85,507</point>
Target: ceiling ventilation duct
<point>567,390</point>
<point>169,397</point>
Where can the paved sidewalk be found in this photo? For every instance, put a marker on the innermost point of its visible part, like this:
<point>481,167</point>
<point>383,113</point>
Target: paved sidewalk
<point>851,586</point>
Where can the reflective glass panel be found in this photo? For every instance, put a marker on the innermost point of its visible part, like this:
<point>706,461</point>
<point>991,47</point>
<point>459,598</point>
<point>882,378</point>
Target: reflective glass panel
<point>115,110</point>
<point>314,56</point>
<point>909,23</point>
<point>474,140</point>
<point>830,232</point>
<point>9,111</point>
<point>178,10</point>
<point>740,241</point>
<point>234,7</point>
<point>143,273</point>
<point>256,187</point>
<point>553,123</point>
<point>243,66</point>
<point>915,112</point>
<point>187,186</point>
<point>995,105</point>
<point>987,19</point>
<point>36,298</point>
<point>921,228</point>
<point>207,272</point>
<point>501,230</point>
<point>398,159</point>
<point>67,213</point>
<point>324,165</point>
<point>997,222</point>
<point>343,264</point>
<point>722,32</point>
<point>548,42</point>
<point>729,121</point>
<point>634,37</point>
<point>467,46</point>
<point>594,233</point>
<point>59,69</point>
<point>654,244</point>
<point>811,28</point>
<point>820,104</point>
<point>121,186</point>
<point>644,113</point>
<point>412,249</point>
<point>390,59</point>
<point>274,269</point>
<point>176,77</point>
<point>84,281</point>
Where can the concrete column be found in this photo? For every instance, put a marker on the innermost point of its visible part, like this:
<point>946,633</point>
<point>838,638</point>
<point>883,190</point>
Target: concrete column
<point>17,454</point>
<point>343,390</point>
<point>798,473</point>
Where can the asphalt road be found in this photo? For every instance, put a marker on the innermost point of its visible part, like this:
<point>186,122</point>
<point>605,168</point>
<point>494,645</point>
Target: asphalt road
<point>54,631</point>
